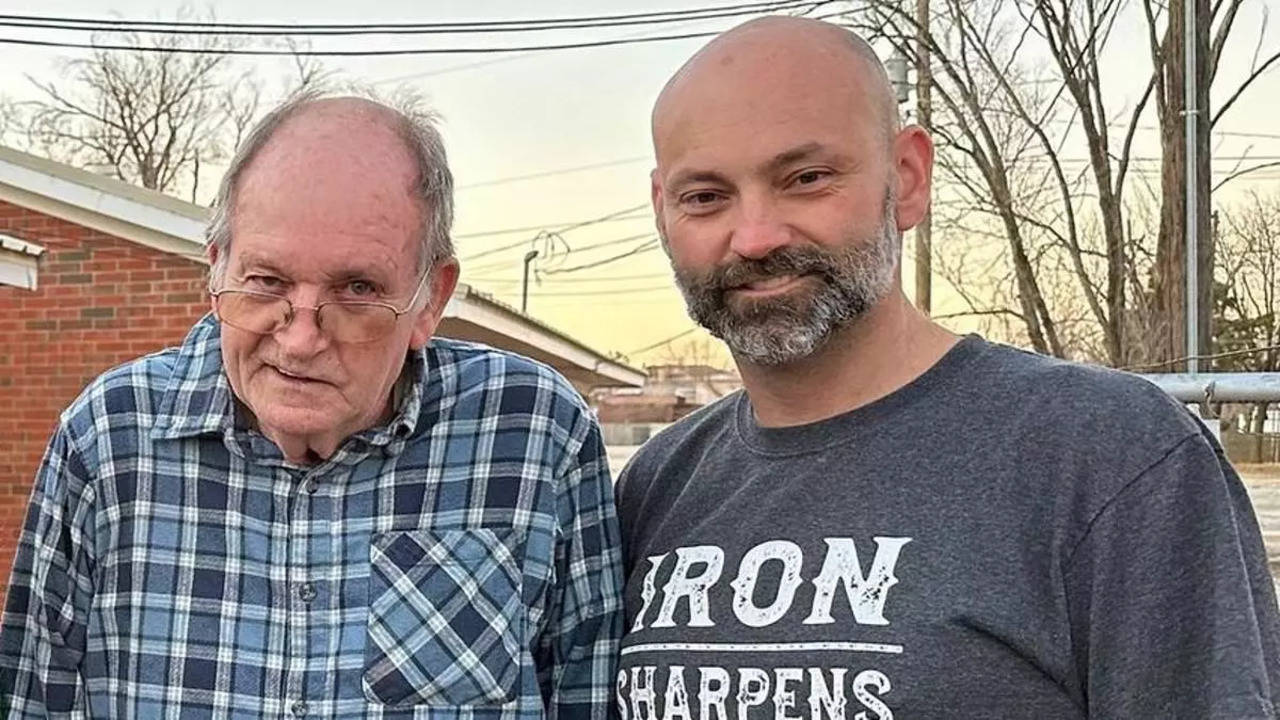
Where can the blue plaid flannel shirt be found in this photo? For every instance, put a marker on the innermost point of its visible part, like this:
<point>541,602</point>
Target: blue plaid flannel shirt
<point>460,562</point>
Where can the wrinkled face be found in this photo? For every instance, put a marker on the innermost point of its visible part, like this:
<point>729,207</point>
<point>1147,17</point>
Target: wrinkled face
<point>774,193</point>
<point>324,214</point>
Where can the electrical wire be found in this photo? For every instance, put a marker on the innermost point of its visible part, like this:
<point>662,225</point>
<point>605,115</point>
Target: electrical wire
<point>544,233</point>
<point>1215,356</point>
<point>386,52</point>
<point>531,228</point>
<point>581,293</point>
<point>557,171</point>
<point>639,249</point>
<point>653,16</point>
<point>195,28</point>
<point>263,52</point>
<point>665,341</point>
<point>517,56</point>
<point>559,280</point>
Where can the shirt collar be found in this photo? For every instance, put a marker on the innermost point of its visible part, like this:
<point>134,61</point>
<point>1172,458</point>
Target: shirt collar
<point>198,399</point>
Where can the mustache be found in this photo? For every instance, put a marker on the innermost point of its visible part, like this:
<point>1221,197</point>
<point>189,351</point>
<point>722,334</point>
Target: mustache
<point>783,261</point>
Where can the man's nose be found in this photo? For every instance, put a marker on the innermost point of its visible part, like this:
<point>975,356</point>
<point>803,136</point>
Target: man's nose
<point>759,227</point>
<point>302,336</point>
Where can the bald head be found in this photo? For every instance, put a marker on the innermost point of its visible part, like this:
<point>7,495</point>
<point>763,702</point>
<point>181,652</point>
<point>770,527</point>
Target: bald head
<point>400,144</point>
<point>768,52</point>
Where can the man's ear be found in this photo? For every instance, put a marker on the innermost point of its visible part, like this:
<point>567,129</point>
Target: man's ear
<point>212,251</point>
<point>444,278</point>
<point>655,196</point>
<point>913,171</point>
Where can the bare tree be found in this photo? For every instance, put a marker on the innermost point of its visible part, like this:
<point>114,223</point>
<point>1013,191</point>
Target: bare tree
<point>155,115</point>
<point>1247,291</point>
<point>9,117</point>
<point>1029,139</point>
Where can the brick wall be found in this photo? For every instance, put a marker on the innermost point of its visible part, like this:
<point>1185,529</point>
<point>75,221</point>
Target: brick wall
<point>100,301</point>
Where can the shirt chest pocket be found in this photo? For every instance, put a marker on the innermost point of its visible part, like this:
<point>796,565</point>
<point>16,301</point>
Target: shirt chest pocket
<point>445,618</point>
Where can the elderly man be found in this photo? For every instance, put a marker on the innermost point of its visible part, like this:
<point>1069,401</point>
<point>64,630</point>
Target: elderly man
<point>311,508</point>
<point>891,521</point>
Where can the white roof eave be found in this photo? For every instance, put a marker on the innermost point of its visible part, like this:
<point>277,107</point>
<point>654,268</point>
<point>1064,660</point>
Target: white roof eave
<point>101,210</point>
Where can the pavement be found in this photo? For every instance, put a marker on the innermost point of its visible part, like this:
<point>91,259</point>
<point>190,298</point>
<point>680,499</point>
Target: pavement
<point>1263,484</point>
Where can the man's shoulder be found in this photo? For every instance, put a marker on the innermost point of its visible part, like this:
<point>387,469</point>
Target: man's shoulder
<point>130,387</point>
<point>682,440</point>
<point>1098,422</point>
<point>124,398</point>
<point>1084,392</point>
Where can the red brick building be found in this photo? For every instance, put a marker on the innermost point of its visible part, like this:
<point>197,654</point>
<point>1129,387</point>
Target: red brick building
<point>95,272</point>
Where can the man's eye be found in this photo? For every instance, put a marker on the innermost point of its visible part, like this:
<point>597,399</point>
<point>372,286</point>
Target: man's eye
<point>362,288</point>
<point>700,199</point>
<point>263,282</point>
<point>809,177</point>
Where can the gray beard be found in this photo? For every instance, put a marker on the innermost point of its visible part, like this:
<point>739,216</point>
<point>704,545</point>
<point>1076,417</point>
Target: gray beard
<point>782,330</point>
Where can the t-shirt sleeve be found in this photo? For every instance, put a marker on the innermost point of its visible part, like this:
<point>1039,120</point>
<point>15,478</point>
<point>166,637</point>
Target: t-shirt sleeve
<point>1173,613</point>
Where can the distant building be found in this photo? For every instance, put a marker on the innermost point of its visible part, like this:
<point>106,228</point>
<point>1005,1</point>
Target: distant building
<point>698,384</point>
<point>670,392</point>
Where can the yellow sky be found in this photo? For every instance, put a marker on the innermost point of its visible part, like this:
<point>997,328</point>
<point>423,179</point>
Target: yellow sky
<point>542,141</point>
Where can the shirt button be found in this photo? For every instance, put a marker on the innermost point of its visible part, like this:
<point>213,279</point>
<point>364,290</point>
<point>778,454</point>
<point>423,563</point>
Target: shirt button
<point>307,592</point>
<point>312,486</point>
<point>299,708</point>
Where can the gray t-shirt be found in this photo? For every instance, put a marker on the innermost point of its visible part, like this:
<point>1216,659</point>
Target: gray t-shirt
<point>1008,536</point>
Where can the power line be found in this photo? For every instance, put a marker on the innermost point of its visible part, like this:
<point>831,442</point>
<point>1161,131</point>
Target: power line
<point>581,293</point>
<point>511,57</point>
<point>263,52</point>
<point>199,28</point>
<point>565,229</point>
<point>642,248</point>
<point>1024,158</point>
<point>390,52</point>
<point>658,16</point>
<point>1215,356</point>
<point>531,228</point>
<point>584,248</point>
<point>602,218</point>
<point>611,243</point>
<point>558,280</point>
<point>662,342</point>
<point>557,171</point>
<point>666,300</point>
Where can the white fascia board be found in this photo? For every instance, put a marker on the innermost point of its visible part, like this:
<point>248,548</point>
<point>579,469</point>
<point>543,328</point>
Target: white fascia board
<point>468,307</point>
<point>56,196</point>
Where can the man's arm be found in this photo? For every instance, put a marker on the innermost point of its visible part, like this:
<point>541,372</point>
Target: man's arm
<point>578,650</point>
<point>1173,613</point>
<point>42,638</point>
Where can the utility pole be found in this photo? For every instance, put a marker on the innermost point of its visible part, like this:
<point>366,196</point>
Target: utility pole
<point>524,291</point>
<point>1190,112</point>
<point>1184,256</point>
<point>924,110</point>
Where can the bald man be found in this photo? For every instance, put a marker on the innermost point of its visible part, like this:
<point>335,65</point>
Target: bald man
<point>892,521</point>
<point>312,508</point>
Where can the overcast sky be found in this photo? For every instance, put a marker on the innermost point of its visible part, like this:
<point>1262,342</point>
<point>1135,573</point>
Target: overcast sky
<point>543,114</point>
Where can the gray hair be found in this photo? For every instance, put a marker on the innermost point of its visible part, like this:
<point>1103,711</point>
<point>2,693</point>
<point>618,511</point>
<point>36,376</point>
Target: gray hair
<point>414,124</point>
